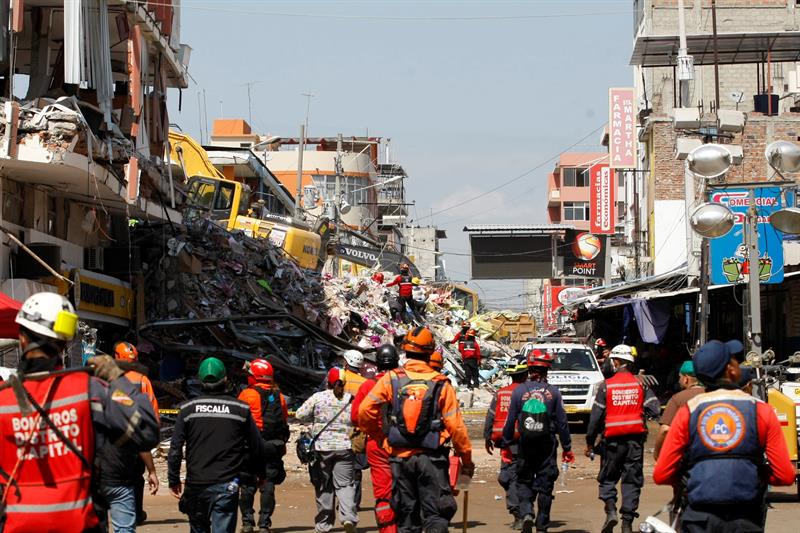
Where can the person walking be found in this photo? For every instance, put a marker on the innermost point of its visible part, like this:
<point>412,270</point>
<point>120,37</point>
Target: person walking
<point>386,358</point>
<point>221,438</point>
<point>125,351</point>
<point>536,413</point>
<point>619,412</point>
<point>471,358</point>
<point>48,454</point>
<point>493,426</point>
<point>723,437</point>
<point>422,415</point>
<point>270,414</point>
<point>405,293</point>
<point>332,472</point>
<point>690,387</point>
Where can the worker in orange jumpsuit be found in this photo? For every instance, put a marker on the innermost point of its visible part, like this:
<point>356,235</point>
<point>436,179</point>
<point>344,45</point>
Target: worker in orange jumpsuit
<point>422,496</point>
<point>721,439</point>
<point>386,358</point>
<point>125,351</point>
<point>270,414</point>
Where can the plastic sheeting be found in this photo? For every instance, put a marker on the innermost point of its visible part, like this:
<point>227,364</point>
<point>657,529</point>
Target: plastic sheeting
<point>652,319</point>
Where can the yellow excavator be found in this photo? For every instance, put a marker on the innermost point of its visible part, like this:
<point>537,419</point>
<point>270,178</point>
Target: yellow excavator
<point>227,202</point>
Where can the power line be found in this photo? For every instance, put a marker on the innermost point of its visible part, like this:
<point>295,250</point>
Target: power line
<point>515,179</point>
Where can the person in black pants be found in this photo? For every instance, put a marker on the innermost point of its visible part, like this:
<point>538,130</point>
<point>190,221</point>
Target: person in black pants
<point>220,435</point>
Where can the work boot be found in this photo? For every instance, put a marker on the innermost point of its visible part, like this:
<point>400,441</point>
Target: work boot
<point>627,525</point>
<point>516,525</point>
<point>247,528</point>
<point>264,530</point>
<point>349,527</point>
<point>611,517</point>
<point>527,524</point>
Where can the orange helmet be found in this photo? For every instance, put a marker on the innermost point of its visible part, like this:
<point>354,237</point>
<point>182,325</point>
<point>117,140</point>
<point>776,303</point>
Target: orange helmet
<point>436,361</point>
<point>539,359</point>
<point>419,341</point>
<point>125,351</point>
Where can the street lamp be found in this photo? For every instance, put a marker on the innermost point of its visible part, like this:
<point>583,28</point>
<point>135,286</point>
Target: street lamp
<point>709,160</point>
<point>784,156</point>
<point>711,220</point>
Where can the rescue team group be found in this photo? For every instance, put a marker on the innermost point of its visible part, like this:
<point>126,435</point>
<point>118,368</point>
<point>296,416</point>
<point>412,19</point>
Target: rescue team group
<point>72,440</point>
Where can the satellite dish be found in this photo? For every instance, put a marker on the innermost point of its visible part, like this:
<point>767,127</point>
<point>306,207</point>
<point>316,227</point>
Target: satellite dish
<point>786,220</point>
<point>709,160</point>
<point>711,220</point>
<point>736,96</point>
<point>783,156</point>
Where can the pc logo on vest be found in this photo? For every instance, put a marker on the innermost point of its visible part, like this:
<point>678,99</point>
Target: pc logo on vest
<point>721,427</point>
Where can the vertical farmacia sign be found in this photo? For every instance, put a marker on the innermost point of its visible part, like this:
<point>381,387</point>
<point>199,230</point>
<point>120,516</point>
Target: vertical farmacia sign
<point>621,127</point>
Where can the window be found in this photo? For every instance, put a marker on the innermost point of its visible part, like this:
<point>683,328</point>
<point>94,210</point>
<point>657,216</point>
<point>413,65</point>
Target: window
<point>201,193</point>
<point>576,210</point>
<point>224,199</point>
<point>576,177</point>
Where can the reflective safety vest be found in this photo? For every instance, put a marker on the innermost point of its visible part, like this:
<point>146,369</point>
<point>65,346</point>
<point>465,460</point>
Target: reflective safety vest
<point>624,406</point>
<point>724,448</point>
<point>468,348</point>
<point>406,287</point>
<point>51,489</point>
<point>352,382</point>
<point>501,412</point>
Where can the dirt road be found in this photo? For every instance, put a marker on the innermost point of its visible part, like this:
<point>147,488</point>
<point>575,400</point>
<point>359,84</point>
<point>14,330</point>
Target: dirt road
<point>576,507</point>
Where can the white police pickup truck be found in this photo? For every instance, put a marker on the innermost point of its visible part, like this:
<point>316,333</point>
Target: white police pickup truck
<point>575,372</point>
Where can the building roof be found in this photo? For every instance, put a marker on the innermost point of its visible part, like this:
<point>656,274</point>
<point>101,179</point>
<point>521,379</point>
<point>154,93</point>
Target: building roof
<point>733,48</point>
<point>533,229</point>
<point>581,159</point>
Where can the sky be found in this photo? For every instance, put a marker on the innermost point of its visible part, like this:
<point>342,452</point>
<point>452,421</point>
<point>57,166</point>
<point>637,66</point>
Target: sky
<point>472,94</point>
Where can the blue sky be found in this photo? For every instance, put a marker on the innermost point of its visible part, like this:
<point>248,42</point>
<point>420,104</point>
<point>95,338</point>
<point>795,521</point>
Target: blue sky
<point>472,94</point>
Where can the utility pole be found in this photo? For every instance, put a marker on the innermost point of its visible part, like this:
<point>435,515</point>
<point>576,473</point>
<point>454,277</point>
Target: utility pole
<point>754,281</point>
<point>249,84</point>
<point>308,96</point>
<point>685,61</point>
<point>298,209</point>
<point>716,53</point>
<point>337,204</point>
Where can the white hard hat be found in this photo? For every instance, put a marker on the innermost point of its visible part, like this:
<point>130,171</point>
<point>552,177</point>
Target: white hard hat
<point>623,352</point>
<point>354,358</point>
<point>50,315</point>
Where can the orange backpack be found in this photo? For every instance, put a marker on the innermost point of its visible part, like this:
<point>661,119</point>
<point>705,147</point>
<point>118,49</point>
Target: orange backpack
<point>415,420</point>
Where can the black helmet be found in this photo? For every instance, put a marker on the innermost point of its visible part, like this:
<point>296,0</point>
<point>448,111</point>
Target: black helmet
<point>386,357</point>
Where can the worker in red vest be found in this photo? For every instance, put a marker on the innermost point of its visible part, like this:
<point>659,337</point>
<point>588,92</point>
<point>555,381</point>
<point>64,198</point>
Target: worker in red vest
<point>619,412</point>
<point>493,426</point>
<point>470,357</point>
<point>386,358</point>
<point>47,455</point>
<point>405,291</point>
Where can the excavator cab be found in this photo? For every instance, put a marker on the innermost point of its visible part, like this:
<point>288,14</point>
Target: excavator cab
<point>220,200</point>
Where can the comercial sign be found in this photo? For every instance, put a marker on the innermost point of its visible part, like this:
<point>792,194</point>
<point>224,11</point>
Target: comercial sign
<point>602,199</point>
<point>730,261</point>
<point>370,257</point>
<point>555,298</point>
<point>622,127</point>
<point>584,255</point>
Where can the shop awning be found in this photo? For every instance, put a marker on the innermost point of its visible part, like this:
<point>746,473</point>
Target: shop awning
<point>8,312</point>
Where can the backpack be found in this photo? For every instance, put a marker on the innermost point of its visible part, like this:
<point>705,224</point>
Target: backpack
<point>274,425</point>
<point>534,425</point>
<point>414,419</point>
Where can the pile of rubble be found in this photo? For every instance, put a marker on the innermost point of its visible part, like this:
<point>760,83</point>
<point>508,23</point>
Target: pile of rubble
<point>209,291</point>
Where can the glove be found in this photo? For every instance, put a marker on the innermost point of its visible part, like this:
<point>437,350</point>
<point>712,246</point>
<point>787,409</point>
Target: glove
<point>568,457</point>
<point>489,446</point>
<point>506,456</point>
<point>105,367</point>
<point>468,468</point>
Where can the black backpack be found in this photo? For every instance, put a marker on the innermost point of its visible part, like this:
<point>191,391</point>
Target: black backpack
<point>534,422</point>
<point>274,425</point>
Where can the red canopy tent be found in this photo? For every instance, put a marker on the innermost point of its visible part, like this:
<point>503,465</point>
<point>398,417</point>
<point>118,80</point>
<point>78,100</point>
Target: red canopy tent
<point>8,312</point>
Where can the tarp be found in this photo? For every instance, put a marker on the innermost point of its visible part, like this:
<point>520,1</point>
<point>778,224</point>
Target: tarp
<point>8,312</point>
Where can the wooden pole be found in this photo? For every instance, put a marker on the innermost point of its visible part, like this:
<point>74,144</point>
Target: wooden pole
<point>465,513</point>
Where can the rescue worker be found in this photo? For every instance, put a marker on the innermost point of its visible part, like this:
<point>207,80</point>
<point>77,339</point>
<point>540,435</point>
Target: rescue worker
<point>47,456</point>
<point>619,412</point>
<point>536,413</point>
<point>332,471</point>
<point>600,350</point>
<point>423,499</point>
<point>722,438</point>
<point>125,351</point>
<point>690,387</point>
<point>220,438</point>
<point>471,358</point>
<point>436,361</point>
<point>493,426</point>
<point>270,414</point>
<point>405,292</point>
<point>386,359</point>
<point>465,327</point>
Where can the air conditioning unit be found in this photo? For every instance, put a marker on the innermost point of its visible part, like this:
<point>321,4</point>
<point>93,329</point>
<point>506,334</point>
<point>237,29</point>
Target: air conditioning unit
<point>93,259</point>
<point>686,118</point>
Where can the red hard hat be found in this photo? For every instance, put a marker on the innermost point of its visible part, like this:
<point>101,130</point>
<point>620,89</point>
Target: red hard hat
<point>600,342</point>
<point>539,358</point>
<point>377,277</point>
<point>261,370</point>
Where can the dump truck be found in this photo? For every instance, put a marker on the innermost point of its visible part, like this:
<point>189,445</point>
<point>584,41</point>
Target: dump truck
<point>228,202</point>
